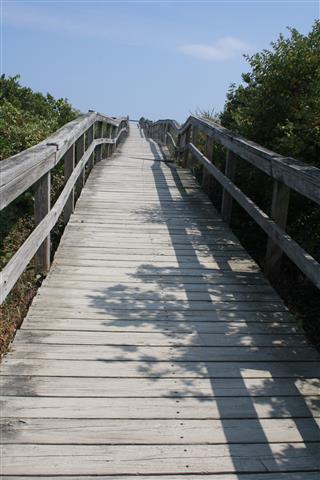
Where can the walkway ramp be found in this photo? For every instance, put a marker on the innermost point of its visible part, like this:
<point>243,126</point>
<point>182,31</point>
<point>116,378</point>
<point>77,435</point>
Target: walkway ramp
<point>155,348</point>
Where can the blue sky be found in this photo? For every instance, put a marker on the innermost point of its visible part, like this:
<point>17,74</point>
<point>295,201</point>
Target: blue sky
<point>156,59</point>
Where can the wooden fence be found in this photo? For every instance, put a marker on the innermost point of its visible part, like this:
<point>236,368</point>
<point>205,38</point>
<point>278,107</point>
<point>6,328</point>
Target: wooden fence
<point>287,174</point>
<point>80,144</point>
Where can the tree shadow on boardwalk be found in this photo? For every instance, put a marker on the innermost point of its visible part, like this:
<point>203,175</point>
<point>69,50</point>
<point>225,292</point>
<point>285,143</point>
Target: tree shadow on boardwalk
<point>186,292</point>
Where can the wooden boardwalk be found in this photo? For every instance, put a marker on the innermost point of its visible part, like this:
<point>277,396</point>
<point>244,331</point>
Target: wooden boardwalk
<point>155,347</point>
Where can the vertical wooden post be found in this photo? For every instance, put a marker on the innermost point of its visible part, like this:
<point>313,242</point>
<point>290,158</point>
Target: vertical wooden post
<point>186,153</point>
<point>230,171</point>
<point>194,140</point>
<point>165,129</point>
<point>90,137</point>
<point>41,209</point>
<point>177,153</point>
<point>111,136</point>
<point>279,213</point>
<point>98,134</point>
<point>206,178</point>
<point>69,163</point>
<point>104,152</point>
<point>80,149</point>
<point>116,131</point>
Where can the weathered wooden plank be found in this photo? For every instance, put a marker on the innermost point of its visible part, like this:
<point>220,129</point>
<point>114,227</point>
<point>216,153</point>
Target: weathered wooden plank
<point>112,362</point>
<point>252,476</point>
<point>23,394</point>
<point>166,277</point>
<point>174,353</point>
<point>99,325</point>
<point>101,304</point>
<point>59,282</point>
<point>132,459</point>
<point>77,431</point>
<point>134,293</point>
<point>69,337</point>
<point>144,316</point>
<point>160,408</point>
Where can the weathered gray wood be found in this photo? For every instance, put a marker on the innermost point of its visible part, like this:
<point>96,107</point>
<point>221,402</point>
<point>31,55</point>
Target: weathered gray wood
<point>79,152</point>
<point>186,141</point>
<point>22,257</point>
<point>254,476</point>
<point>69,164</point>
<point>160,408</point>
<point>279,213</point>
<point>21,171</point>
<point>113,372</point>
<point>134,460</point>
<point>302,259</point>
<point>206,181</point>
<point>41,209</point>
<point>303,178</point>
<point>194,141</point>
<point>291,174</point>
<point>39,396</point>
<point>165,432</point>
<point>230,171</point>
<point>90,138</point>
<point>158,339</point>
<point>140,361</point>
<point>20,260</point>
<point>161,315</point>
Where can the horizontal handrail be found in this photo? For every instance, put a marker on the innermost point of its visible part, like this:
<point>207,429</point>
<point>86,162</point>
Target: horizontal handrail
<point>19,172</point>
<point>303,178</point>
<point>33,166</point>
<point>286,172</point>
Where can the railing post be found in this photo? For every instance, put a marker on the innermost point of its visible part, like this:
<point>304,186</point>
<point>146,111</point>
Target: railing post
<point>80,149</point>
<point>98,134</point>
<point>165,129</point>
<point>230,171</point>
<point>279,213</point>
<point>206,177</point>
<point>194,140</point>
<point>90,137</point>
<point>110,146</point>
<point>69,163</point>
<point>41,209</point>
<point>186,152</point>
<point>177,152</point>
<point>116,131</point>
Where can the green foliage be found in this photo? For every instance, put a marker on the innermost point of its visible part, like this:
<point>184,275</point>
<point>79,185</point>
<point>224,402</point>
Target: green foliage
<point>278,105</point>
<point>27,117</point>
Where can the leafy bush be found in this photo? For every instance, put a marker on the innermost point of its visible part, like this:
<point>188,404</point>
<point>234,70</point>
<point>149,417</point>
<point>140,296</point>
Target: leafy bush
<point>27,117</point>
<point>278,106</point>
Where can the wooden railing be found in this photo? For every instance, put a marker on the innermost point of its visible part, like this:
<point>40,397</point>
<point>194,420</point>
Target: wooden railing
<point>80,144</point>
<point>287,173</point>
